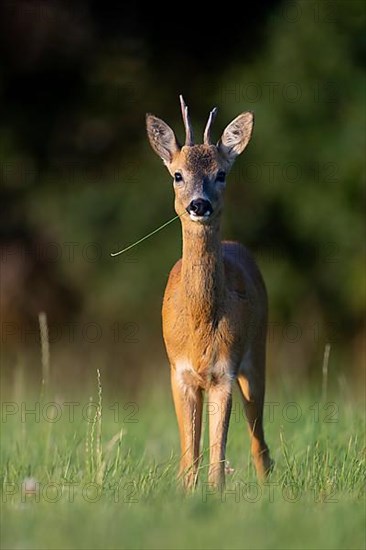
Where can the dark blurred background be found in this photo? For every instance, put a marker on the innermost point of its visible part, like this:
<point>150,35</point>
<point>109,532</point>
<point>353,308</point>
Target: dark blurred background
<point>78,179</point>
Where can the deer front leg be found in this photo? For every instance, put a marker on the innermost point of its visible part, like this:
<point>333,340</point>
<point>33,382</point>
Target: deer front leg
<point>220,401</point>
<point>188,407</point>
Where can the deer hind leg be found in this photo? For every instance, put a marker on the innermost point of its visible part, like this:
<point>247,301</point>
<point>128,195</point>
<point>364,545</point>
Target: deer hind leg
<point>220,400</point>
<point>188,403</point>
<point>251,384</point>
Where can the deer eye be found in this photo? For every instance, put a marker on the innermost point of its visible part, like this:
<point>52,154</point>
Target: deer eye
<point>221,176</point>
<point>178,177</point>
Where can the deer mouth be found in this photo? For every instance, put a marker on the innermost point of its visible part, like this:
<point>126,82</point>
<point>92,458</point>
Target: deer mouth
<point>203,219</point>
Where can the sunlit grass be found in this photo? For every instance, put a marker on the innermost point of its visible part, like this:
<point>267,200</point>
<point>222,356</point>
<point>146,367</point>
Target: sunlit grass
<point>102,474</point>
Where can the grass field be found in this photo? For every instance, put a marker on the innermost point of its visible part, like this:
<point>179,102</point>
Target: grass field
<point>101,474</point>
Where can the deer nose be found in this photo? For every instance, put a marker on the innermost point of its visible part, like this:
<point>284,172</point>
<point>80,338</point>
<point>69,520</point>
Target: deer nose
<point>200,207</point>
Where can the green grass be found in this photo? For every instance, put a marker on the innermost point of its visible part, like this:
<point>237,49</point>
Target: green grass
<point>110,482</point>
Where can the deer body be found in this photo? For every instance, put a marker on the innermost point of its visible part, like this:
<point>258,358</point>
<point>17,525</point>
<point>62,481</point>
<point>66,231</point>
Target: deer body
<point>215,302</point>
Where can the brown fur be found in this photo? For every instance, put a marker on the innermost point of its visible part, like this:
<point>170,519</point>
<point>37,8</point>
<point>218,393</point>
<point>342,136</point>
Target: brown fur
<point>214,316</point>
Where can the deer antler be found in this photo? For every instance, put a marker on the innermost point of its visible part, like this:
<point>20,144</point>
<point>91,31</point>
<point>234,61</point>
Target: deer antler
<point>207,133</point>
<point>187,122</point>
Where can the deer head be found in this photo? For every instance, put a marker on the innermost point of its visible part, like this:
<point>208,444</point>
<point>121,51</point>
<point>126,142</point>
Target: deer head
<point>199,171</point>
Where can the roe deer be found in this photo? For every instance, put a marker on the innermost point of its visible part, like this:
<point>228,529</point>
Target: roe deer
<point>215,300</point>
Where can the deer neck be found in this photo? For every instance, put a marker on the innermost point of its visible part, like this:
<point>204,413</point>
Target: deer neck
<point>203,280</point>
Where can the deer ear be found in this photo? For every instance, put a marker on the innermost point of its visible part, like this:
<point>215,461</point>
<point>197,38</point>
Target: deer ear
<point>162,138</point>
<point>236,136</point>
